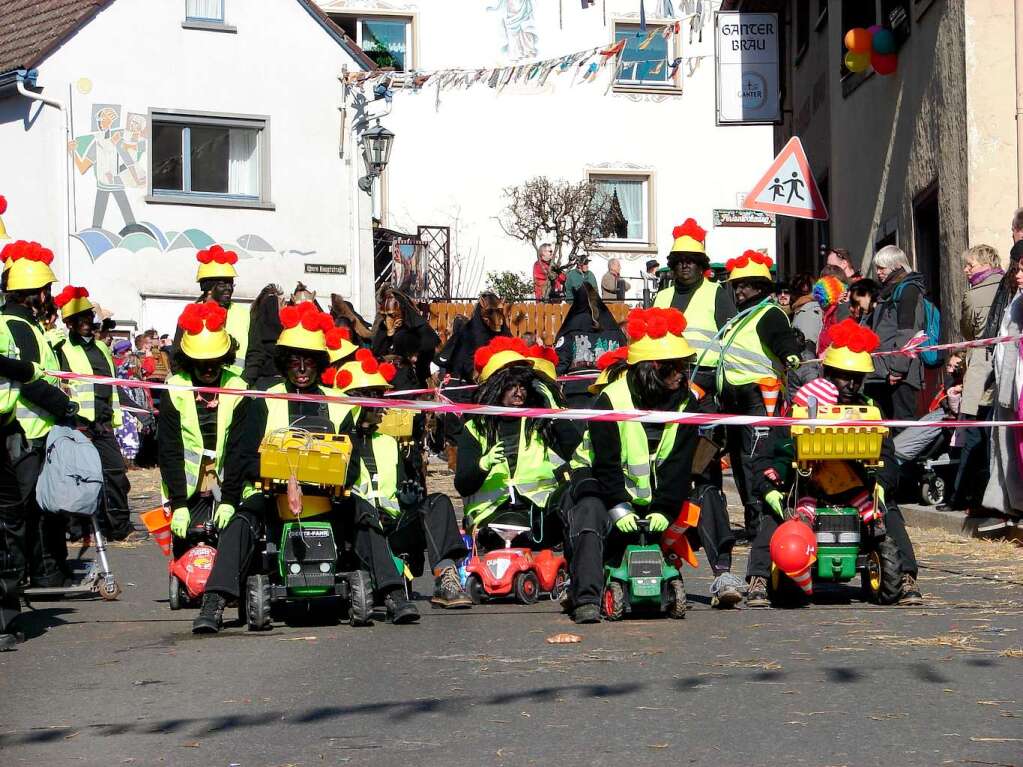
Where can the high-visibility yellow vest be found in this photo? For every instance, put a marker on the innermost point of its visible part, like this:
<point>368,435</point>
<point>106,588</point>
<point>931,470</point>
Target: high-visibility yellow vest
<point>701,325</point>
<point>8,389</point>
<point>380,487</point>
<point>534,476</point>
<point>277,418</point>
<point>84,392</point>
<point>746,361</point>
<point>35,421</point>
<point>638,465</point>
<point>238,328</point>
<point>191,434</point>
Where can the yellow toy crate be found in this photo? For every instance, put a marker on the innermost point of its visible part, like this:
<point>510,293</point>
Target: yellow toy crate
<point>315,459</point>
<point>836,443</point>
<point>397,423</point>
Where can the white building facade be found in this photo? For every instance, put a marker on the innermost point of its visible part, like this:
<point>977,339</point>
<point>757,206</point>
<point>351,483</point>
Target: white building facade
<point>176,124</point>
<point>650,136</point>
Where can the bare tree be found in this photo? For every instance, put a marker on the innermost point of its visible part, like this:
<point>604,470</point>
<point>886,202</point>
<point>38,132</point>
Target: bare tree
<point>572,217</point>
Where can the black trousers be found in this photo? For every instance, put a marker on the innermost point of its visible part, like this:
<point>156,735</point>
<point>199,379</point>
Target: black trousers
<point>896,402</point>
<point>587,525</point>
<point>236,547</point>
<point>974,463</point>
<point>367,536</point>
<point>713,532</point>
<point>760,550</point>
<point>117,522</point>
<point>745,445</point>
<point>12,541</point>
<point>429,527</point>
<point>45,539</point>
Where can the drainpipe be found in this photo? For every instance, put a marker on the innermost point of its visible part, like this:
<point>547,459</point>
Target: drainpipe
<point>1019,102</point>
<point>58,105</point>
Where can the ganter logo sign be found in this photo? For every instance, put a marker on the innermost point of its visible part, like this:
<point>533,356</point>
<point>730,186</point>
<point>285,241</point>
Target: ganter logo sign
<point>746,53</point>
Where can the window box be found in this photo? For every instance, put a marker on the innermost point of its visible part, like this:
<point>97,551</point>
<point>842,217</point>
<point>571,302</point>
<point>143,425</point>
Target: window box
<point>387,38</point>
<point>647,69</point>
<point>199,158</point>
<point>632,226</point>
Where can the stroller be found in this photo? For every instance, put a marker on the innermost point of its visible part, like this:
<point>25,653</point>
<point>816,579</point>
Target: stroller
<point>927,461</point>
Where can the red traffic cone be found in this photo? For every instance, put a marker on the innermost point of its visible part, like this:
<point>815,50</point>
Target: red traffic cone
<point>804,580</point>
<point>157,521</point>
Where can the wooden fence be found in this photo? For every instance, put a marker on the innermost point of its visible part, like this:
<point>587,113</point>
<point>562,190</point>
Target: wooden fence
<point>542,319</point>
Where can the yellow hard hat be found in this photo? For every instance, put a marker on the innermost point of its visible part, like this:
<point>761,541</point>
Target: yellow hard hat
<point>216,263</point>
<point>72,301</point>
<point>363,372</point>
<point>751,265</point>
<point>204,335</point>
<point>850,347</point>
<point>31,270</point>
<point>499,353</point>
<point>656,334</point>
<point>305,327</point>
<point>689,238</point>
<point>339,344</point>
<point>544,360</point>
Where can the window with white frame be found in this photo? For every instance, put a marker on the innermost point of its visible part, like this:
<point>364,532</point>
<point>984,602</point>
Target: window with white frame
<point>202,157</point>
<point>388,40</point>
<point>647,57</point>
<point>629,196</point>
<point>204,10</point>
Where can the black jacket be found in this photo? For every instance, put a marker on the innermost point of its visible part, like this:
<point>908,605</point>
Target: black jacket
<point>579,344</point>
<point>896,322</point>
<point>456,357</point>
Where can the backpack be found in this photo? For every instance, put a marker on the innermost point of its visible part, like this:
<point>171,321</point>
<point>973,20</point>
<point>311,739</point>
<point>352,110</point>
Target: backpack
<point>72,475</point>
<point>932,326</point>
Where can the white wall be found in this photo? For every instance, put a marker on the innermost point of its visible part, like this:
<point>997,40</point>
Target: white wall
<point>135,54</point>
<point>451,161</point>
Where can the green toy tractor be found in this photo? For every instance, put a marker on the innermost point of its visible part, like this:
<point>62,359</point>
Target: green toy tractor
<point>643,582</point>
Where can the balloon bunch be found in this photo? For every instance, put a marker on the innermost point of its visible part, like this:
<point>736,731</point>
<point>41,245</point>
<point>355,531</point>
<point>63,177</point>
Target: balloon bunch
<point>872,47</point>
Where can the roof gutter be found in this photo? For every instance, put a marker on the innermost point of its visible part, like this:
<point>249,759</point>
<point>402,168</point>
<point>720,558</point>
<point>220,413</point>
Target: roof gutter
<point>23,76</point>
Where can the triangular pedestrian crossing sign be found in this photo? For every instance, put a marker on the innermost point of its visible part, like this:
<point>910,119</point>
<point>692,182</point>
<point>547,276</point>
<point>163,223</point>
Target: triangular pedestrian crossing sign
<point>788,188</point>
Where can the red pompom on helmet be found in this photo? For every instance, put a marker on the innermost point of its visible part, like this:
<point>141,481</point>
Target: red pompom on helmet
<point>190,320</point>
<point>607,359</point>
<point>290,317</point>
<point>215,316</point>
<point>542,353</point>
<point>336,335</point>
<point>69,294</point>
<point>854,337</point>
<point>3,204</point>
<point>745,259</point>
<point>328,376</point>
<point>690,228</point>
<point>363,355</point>
<point>654,323</point>
<point>344,379</point>
<point>388,371</point>
<point>499,344</point>
<point>216,253</point>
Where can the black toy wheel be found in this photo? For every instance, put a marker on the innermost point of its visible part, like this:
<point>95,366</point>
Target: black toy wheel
<point>474,588</point>
<point>783,591</point>
<point>257,602</point>
<point>612,602</point>
<point>175,593</point>
<point>360,589</point>
<point>932,491</point>
<point>527,588</point>
<point>677,602</point>
<point>882,577</point>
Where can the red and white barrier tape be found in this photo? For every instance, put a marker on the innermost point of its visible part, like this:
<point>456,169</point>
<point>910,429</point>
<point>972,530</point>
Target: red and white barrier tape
<point>572,414</point>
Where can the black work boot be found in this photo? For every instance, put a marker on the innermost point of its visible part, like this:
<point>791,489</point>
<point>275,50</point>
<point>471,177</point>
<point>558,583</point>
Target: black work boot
<point>756,594</point>
<point>910,591</point>
<point>399,609</point>
<point>588,613</point>
<point>448,591</point>
<point>211,615</point>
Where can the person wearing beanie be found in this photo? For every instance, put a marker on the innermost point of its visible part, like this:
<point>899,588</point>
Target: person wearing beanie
<point>871,490</point>
<point>757,348</point>
<point>41,404</point>
<point>193,426</point>
<point>99,404</point>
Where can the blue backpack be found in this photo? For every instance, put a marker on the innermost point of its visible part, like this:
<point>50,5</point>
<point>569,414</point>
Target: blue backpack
<point>932,326</point>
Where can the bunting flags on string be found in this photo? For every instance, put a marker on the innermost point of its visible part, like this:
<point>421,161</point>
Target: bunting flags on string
<point>585,66</point>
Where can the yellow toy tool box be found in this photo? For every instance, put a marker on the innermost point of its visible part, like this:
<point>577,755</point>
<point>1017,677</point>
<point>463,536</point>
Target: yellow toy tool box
<point>839,443</point>
<point>397,423</point>
<point>314,459</point>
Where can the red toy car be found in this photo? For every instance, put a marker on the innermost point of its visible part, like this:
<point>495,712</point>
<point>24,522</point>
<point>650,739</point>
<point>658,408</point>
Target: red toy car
<point>521,572</point>
<point>190,571</point>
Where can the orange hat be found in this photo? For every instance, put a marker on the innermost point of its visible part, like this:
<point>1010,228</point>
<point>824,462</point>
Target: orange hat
<point>751,265</point>
<point>216,262</point>
<point>305,327</point>
<point>501,351</point>
<point>544,360</point>
<point>205,334</point>
<point>656,334</point>
<point>72,301</point>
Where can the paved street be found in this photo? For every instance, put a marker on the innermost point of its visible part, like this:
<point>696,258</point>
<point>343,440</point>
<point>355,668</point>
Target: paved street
<point>840,683</point>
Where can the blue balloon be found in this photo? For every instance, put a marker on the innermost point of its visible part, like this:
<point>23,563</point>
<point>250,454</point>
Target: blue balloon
<point>883,41</point>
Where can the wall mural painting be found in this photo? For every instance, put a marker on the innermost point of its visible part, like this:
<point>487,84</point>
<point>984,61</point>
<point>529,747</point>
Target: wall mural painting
<point>519,22</point>
<point>114,150</point>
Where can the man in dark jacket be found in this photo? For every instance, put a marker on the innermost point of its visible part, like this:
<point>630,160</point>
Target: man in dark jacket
<point>898,316</point>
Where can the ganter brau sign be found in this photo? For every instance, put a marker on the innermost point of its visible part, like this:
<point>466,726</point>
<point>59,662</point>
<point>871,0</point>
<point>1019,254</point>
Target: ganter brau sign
<point>746,54</point>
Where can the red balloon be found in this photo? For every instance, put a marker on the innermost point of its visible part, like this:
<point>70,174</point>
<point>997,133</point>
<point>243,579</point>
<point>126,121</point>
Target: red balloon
<point>793,547</point>
<point>884,63</point>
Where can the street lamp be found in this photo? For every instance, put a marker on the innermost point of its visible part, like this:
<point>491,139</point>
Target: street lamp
<point>376,151</point>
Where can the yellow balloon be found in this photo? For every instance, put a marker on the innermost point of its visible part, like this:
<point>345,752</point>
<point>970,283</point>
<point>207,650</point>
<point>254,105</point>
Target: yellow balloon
<point>857,62</point>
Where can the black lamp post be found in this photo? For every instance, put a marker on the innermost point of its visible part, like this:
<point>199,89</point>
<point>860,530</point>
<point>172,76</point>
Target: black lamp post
<point>376,151</point>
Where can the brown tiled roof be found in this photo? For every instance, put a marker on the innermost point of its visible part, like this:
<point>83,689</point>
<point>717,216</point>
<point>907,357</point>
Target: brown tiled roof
<point>31,29</point>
